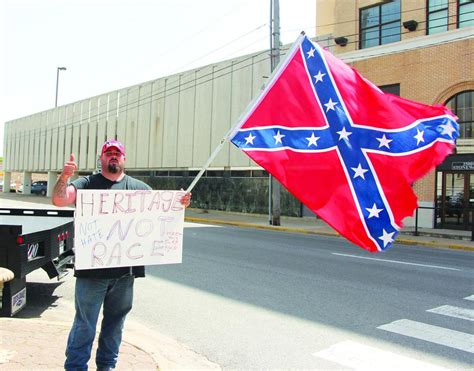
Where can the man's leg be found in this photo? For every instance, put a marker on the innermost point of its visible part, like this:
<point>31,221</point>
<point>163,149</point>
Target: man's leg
<point>117,303</point>
<point>89,295</point>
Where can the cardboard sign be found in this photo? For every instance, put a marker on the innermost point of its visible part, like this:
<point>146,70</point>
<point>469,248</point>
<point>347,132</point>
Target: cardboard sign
<point>128,228</point>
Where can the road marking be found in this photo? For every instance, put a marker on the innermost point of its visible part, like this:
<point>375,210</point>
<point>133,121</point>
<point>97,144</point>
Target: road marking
<point>470,298</point>
<point>396,262</point>
<point>363,357</point>
<point>198,225</point>
<point>434,334</point>
<point>451,311</point>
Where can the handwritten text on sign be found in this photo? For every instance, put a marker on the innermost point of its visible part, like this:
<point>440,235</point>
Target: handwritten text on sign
<point>128,228</point>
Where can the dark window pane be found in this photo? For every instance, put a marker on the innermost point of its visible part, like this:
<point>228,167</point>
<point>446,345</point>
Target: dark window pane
<point>259,173</point>
<point>437,16</point>
<point>370,38</point>
<point>462,105</point>
<point>178,173</point>
<point>392,89</point>
<point>370,17</point>
<point>390,33</point>
<point>466,15</point>
<point>438,22</point>
<point>465,107</point>
<point>434,5</point>
<point>391,11</point>
<point>240,173</point>
<point>215,173</point>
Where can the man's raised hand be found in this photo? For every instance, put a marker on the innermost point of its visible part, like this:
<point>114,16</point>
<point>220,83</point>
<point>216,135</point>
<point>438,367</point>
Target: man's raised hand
<point>63,194</point>
<point>69,167</point>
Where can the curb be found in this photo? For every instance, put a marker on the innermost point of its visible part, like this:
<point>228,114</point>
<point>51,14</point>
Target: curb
<point>435,245</point>
<point>258,226</point>
<point>402,241</point>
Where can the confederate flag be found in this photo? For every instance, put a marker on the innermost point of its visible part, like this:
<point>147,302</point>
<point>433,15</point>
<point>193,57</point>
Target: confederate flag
<point>340,145</point>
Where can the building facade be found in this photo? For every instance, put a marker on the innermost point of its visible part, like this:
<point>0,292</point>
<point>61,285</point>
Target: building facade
<point>422,50</point>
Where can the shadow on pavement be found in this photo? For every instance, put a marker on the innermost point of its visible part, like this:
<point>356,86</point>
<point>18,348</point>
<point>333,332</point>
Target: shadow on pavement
<point>40,298</point>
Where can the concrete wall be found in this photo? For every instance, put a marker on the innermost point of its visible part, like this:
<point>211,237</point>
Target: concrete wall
<point>172,122</point>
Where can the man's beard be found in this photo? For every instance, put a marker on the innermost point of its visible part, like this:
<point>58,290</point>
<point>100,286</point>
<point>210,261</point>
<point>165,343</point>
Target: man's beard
<point>114,168</point>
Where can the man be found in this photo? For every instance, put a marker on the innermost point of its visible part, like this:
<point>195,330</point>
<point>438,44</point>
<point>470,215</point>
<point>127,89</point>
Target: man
<point>110,287</point>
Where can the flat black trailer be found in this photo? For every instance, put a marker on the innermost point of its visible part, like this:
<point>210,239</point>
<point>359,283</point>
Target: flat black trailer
<point>31,239</point>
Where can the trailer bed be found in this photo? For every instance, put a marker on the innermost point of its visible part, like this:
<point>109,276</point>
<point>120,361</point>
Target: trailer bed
<point>33,224</point>
<point>35,220</point>
<point>31,239</point>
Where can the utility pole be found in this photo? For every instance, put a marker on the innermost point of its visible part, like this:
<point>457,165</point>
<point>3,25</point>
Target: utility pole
<point>274,185</point>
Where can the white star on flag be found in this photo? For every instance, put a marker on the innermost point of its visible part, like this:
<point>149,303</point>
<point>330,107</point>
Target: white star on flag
<point>311,52</point>
<point>384,141</point>
<point>330,105</point>
<point>419,136</point>
<point>343,134</point>
<point>373,211</point>
<point>386,237</point>
<point>278,137</point>
<point>249,139</point>
<point>448,129</point>
<point>319,77</point>
<point>358,171</point>
<point>312,140</point>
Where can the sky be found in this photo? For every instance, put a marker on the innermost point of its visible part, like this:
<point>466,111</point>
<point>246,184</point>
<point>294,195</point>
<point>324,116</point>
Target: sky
<point>106,45</point>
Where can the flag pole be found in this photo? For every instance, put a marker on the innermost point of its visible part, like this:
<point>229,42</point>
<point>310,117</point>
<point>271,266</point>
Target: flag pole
<point>209,160</point>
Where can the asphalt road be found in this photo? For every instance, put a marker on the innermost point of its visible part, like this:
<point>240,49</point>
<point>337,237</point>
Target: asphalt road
<point>248,298</point>
<point>254,299</point>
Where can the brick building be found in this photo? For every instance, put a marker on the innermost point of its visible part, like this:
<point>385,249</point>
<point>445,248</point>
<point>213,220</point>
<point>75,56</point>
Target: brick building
<point>422,50</point>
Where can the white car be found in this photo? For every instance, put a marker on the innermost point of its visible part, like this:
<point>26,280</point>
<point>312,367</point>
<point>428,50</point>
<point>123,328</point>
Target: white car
<point>13,187</point>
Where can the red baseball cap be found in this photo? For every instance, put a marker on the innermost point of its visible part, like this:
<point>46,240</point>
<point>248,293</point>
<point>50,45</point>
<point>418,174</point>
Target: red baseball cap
<point>113,144</point>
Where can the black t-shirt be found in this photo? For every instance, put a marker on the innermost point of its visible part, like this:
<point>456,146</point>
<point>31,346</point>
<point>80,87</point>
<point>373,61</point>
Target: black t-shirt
<point>98,181</point>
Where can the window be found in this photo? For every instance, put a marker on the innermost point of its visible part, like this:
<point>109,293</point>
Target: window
<point>437,16</point>
<point>380,24</point>
<point>392,89</point>
<point>462,105</point>
<point>465,13</point>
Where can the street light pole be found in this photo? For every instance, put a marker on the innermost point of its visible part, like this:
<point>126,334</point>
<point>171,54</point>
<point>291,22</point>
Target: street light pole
<point>57,83</point>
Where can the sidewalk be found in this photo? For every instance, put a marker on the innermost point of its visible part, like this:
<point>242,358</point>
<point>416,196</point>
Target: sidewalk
<point>28,344</point>
<point>33,343</point>
<point>435,238</point>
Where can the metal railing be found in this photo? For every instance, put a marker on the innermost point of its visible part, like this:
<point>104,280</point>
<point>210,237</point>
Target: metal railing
<point>460,211</point>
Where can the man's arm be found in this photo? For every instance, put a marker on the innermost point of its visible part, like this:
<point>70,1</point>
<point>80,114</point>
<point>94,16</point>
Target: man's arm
<point>63,194</point>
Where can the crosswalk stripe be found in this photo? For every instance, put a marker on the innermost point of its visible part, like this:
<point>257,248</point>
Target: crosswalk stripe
<point>438,335</point>
<point>471,297</point>
<point>451,311</point>
<point>364,357</point>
